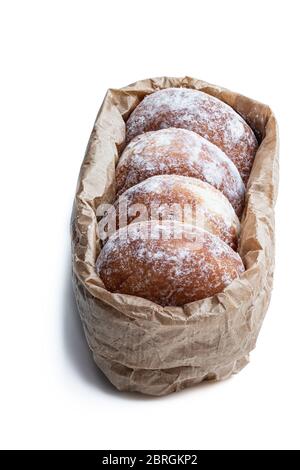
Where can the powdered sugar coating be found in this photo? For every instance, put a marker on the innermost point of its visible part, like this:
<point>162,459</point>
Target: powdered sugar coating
<point>168,271</point>
<point>181,152</point>
<point>181,198</point>
<point>199,112</point>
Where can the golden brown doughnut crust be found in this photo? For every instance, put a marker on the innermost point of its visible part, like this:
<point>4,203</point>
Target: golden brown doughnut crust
<point>181,152</point>
<point>199,112</point>
<point>168,271</point>
<point>181,198</point>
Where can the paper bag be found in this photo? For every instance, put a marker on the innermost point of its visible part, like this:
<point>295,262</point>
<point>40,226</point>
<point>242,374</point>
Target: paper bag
<point>139,345</point>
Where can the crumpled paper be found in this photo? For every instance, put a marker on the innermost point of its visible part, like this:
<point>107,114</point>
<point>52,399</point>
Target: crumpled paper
<point>139,345</point>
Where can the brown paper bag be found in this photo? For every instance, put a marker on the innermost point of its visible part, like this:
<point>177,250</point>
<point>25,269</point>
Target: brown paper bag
<point>141,346</point>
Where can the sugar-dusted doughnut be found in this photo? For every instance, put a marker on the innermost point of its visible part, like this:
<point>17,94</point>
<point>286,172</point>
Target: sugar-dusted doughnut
<point>181,152</point>
<point>199,112</point>
<point>168,263</point>
<point>180,198</point>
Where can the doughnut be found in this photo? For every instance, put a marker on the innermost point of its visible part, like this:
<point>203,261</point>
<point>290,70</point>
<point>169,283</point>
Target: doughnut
<point>180,198</point>
<point>199,112</point>
<point>181,152</point>
<point>169,263</point>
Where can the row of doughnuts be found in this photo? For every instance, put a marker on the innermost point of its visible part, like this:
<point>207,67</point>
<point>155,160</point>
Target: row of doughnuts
<point>182,176</point>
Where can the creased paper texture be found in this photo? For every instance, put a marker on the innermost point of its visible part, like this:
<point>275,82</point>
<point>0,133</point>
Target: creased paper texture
<point>139,345</point>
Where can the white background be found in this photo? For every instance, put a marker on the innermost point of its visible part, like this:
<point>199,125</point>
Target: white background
<point>57,60</point>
